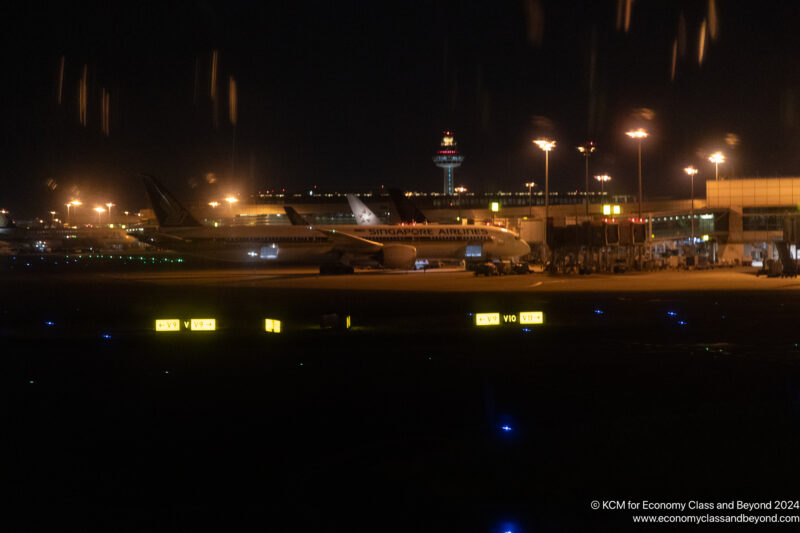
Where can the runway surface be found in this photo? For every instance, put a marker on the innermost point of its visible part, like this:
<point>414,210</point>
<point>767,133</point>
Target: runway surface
<point>446,280</point>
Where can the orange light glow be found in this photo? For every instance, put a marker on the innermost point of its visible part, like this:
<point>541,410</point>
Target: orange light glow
<point>637,134</point>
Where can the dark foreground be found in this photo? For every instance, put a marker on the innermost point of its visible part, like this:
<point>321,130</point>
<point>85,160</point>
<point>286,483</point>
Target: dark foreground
<point>398,423</point>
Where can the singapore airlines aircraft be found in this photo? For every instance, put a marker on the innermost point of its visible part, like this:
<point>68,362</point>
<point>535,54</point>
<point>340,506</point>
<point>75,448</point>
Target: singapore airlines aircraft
<point>363,214</point>
<point>334,248</point>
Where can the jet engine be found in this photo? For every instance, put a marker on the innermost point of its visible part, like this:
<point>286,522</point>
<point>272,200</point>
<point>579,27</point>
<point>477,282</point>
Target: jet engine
<point>399,256</point>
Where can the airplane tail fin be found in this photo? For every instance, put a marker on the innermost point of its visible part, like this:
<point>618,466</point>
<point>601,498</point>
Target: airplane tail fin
<point>6,221</point>
<point>407,211</point>
<point>294,217</point>
<point>168,211</point>
<point>364,215</point>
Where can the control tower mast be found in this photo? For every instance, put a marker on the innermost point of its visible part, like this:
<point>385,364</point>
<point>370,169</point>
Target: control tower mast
<point>448,158</point>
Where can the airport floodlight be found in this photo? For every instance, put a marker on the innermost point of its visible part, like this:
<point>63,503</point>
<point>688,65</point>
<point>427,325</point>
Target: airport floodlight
<point>691,171</point>
<point>213,204</point>
<point>639,135</point>
<point>530,186</point>
<point>231,199</point>
<point>717,158</point>
<point>495,207</point>
<point>603,178</point>
<point>459,191</point>
<point>616,210</point>
<point>99,210</point>
<point>705,238</point>
<point>546,145</point>
<point>607,209</point>
<point>586,151</point>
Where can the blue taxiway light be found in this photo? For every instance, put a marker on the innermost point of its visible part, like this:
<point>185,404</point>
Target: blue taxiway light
<point>49,323</point>
<point>598,311</point>
<point>681,322</point>
<point>106,336</point>
<point>506,428</point>
<point>30,382</point>
<point>526,330</point>
<point>672,313</point>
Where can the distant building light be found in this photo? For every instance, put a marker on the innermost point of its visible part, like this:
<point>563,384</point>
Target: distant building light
<point>272,326</point>
<point>495,207</point>
<point>705,237</point>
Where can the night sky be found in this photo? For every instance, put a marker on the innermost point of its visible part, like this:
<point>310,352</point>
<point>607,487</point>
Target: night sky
<point>354,95</point>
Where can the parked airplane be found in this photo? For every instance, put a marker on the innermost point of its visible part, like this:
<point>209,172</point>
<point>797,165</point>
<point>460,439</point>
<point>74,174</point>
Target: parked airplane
<point>334,248</point>
<point>364,215</point>
<point>294,217</point>
<point>406,210</point>
<point>14,239</point>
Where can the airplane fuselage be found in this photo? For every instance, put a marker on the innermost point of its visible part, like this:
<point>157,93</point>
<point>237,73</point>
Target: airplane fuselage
<point>308,245</point>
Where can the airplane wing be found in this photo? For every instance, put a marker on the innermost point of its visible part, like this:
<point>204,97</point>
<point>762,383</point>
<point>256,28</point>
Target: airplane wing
<point>346,243</point>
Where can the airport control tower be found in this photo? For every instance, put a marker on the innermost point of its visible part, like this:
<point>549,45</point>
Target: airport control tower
<point>448,158</point>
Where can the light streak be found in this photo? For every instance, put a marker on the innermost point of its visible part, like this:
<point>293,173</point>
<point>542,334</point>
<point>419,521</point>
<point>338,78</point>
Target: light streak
<point>232,100</point>
<point>701,47</point>
<point>82,96</point>
<point>61,65</point>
